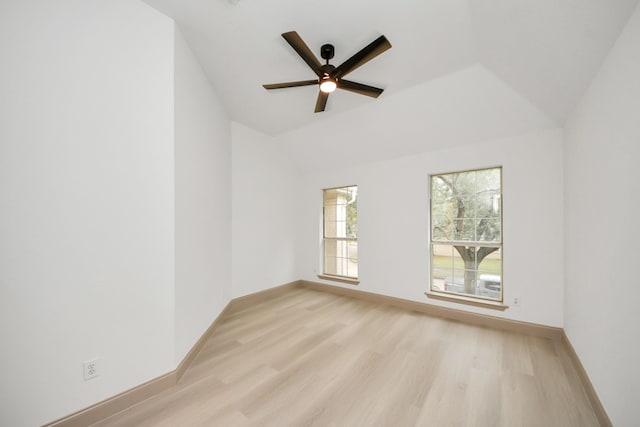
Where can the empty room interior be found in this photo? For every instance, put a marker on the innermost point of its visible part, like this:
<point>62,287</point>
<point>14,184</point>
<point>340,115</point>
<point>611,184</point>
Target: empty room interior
<point>196,229</point>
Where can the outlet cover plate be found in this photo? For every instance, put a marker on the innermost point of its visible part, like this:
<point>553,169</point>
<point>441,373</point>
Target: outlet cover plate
<point>91,369</point>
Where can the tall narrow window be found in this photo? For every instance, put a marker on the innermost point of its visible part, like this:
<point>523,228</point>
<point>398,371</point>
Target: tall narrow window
<point>466,233</point>
<point>340,235</point>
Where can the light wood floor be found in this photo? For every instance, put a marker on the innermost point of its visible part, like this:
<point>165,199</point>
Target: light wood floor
<point>307,358</point>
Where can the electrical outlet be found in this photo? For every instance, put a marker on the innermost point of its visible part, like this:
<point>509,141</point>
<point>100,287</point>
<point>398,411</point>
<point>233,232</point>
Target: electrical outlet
<point>91,369</point>
<point>516,301</point>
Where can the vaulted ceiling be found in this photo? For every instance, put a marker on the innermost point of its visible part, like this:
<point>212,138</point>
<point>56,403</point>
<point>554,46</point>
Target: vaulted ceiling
<point>546,51</point>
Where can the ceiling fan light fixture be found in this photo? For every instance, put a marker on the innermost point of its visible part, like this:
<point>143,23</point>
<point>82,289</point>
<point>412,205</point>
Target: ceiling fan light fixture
<point>328,75</point>
<point>328,84</point>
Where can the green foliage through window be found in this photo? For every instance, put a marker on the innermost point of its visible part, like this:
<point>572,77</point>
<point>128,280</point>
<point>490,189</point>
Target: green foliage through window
<point>466,233</point>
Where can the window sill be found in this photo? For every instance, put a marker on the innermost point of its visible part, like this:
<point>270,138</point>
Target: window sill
<point>339,279</point>
<point>494,305</point>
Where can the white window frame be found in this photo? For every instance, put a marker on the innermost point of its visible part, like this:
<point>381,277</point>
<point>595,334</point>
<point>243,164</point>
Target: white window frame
<point>478,298</point>
<point>330,274</point>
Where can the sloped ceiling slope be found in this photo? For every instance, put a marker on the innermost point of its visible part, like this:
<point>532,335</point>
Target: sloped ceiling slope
<point>471,105</point>
<point>546,50</point>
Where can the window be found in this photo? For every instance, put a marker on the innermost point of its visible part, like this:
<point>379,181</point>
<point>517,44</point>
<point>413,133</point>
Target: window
<point>466,233</point>
<point>340,232</point>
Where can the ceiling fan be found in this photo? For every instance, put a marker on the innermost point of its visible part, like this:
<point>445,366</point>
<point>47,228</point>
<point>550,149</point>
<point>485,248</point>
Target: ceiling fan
<point>330,77</point>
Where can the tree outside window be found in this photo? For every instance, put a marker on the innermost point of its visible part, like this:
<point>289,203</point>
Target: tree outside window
<point>466,233</point>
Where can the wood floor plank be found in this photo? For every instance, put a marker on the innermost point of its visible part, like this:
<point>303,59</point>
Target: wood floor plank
<point>308,358</point>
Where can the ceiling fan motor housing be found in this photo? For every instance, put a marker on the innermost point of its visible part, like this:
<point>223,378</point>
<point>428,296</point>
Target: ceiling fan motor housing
<point>327,51</point>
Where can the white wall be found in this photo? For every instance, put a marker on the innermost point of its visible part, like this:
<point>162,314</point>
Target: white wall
<point>203,201</point>
<point>602,190</point>
<point>265,201</point>
<point>393,221</point>
<point>86,203</point>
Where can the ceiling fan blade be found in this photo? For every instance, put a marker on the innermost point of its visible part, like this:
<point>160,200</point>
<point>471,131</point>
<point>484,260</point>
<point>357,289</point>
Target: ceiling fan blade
<point>365,55</point>
<point>290,84</point>
<point>360,88</point>
<point>303,50</point>
<point>321,102</point>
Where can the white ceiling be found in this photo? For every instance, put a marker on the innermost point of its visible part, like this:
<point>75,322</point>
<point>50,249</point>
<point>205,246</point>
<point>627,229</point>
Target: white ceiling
<point>545,50</point>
